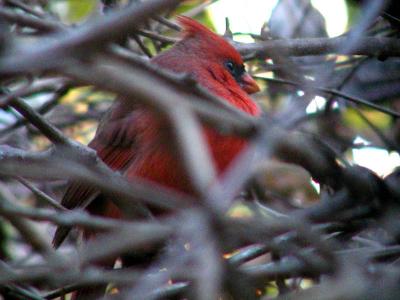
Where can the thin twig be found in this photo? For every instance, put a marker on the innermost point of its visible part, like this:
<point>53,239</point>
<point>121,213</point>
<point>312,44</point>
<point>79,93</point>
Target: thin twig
<point>335,92</point>
<point>41,195</point>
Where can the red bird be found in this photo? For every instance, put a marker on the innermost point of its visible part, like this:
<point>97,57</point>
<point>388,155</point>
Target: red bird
<point>129,140</point>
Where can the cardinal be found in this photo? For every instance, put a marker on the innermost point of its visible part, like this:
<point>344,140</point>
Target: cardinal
<point>130,140</point>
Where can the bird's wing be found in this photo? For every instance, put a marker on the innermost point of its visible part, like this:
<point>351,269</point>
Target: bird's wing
<point>115,145</point>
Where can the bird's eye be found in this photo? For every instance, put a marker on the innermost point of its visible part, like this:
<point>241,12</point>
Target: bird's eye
<point>230,66</point>
<point>235,69</point>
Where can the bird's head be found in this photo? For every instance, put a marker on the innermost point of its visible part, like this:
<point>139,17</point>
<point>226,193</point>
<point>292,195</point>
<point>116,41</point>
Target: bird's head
<point>212,48</point>
<point>207,56</point>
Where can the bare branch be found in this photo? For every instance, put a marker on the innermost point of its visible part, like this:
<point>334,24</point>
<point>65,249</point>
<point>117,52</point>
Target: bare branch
<point>112,27</point>
<point>369,46</point>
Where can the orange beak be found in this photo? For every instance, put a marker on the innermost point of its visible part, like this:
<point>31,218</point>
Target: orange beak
<point>249,84</point>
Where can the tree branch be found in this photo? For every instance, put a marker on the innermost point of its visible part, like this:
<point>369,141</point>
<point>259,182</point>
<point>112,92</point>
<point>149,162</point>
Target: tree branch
<point>369,46</point>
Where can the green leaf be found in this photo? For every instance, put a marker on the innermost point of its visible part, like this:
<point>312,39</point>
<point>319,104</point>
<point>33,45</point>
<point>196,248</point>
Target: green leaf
<point>78,10</point>
<point>379,119</point>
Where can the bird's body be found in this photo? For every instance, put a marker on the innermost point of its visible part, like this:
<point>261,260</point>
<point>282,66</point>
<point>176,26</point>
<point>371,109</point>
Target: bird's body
<point>131,139</point>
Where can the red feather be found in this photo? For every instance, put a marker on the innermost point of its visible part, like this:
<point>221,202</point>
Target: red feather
<point>130,139</point>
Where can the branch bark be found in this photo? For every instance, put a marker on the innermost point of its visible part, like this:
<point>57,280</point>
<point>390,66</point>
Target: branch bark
<point>368,46</point>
